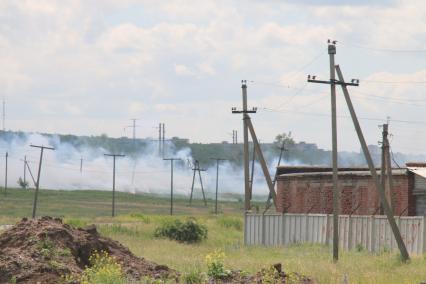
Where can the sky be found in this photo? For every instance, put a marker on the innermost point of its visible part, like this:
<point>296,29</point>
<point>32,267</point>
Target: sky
<point>88,67</point>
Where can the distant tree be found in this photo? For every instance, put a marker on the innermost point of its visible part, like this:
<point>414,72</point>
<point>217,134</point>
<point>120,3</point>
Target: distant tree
<point>23,184</point>
<point>284,137</point>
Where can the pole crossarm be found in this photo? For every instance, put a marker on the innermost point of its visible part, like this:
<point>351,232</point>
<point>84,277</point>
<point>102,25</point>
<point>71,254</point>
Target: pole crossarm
<point>354,82</point>
<point>379,186</point>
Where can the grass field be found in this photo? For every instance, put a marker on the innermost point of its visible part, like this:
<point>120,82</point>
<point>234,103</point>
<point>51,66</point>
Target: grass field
<point>139,215</point>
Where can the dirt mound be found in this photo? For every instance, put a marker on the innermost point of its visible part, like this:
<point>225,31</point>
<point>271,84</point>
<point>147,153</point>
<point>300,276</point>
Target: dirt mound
<point>42,250</point>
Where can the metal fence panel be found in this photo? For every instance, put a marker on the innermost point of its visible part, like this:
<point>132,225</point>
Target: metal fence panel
<point>369,232</point>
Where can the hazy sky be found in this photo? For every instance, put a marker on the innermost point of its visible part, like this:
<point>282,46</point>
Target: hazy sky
<point>87,67</point>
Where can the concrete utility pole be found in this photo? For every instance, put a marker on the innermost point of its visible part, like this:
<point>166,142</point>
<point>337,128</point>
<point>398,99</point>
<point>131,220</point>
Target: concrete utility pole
<point>195,169</point>
<point>25,172</point>
<point>234,137</point>
<point>163,140</point>
<point>217,180</point>
<point>81,165</point>
<point>4,115</point>
<point>113,180</point>
<point>380,187</point>
<point>159,139</point>
<point>38,176</point>
<point>386,169</point>
<point>5,174</point>
<point>245,112</point>
<point>336,193</point>
<point>248,126</point>
<point>171,181</point>
<point>389,174</point>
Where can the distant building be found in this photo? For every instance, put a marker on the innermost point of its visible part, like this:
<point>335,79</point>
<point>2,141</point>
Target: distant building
<point>309,190</point>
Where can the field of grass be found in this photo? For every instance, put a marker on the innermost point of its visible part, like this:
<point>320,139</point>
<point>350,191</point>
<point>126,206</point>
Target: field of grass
<point>139,215</point>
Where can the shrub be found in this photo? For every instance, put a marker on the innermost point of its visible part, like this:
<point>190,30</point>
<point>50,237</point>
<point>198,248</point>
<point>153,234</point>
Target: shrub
<point>189,231</point>
<point>230,222</point>
<point>103,270</point>
<point>215,266</point>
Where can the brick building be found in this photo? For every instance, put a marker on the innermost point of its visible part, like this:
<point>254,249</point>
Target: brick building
<point>309,190</point>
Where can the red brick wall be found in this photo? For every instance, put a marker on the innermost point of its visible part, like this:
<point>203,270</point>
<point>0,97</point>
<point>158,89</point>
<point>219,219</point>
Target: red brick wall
<point>313,194</point>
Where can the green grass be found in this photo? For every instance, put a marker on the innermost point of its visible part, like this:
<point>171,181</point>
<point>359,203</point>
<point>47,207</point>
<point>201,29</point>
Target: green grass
<point>139,215</point>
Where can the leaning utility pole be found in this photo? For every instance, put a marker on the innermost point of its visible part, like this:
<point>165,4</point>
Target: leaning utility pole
<point>336,193</point>
<point>380,187</point>
<point>38,175</point>
<point>113,180</point>
<point>248,126</point>
<point>195,169</point>
<point>282,150</point>
<point>217,180</point>
<point>171,181</point>
<point>5,174</point>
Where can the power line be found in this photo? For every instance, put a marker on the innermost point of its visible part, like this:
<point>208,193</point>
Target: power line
<point>393,82</point>
<point>392,50</point>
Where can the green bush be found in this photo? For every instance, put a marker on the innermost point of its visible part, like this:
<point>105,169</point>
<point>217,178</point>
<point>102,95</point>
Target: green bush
<point>103,270</point>
<point>189,231</point>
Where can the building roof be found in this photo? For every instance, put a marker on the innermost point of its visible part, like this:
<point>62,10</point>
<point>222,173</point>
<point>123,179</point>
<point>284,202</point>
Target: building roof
<point>421,171</point>
<point>342,172</point>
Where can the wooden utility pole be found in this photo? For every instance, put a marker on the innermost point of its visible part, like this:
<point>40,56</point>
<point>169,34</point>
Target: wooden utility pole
<point>248,126</point>
<point>113,180</point>
<point>5,174</point>
<point>380,187</point>
<point>336,193</point>
<point>38,176</point>
<point>217,180</point>
<point>245,112</point>
<point>171,181</point>
<point>196,169</point>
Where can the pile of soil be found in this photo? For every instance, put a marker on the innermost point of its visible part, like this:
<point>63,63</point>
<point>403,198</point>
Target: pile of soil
<point>45,249</point>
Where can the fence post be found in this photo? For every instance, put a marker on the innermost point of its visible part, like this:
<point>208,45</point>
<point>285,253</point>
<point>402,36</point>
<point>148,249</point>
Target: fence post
<point>283,229</point>
<point>327,229</point>
<point>263,228</point>
<point>350,232</point>
<point>245,228</point>
<point>306,229</point>
<point>372,234</point>
<point>424,235</point>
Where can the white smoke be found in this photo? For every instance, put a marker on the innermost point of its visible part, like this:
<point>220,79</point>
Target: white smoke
<point>147,172</point>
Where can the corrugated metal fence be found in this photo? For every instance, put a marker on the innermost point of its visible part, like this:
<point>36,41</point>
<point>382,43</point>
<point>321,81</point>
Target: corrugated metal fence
<point>370,232</point>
